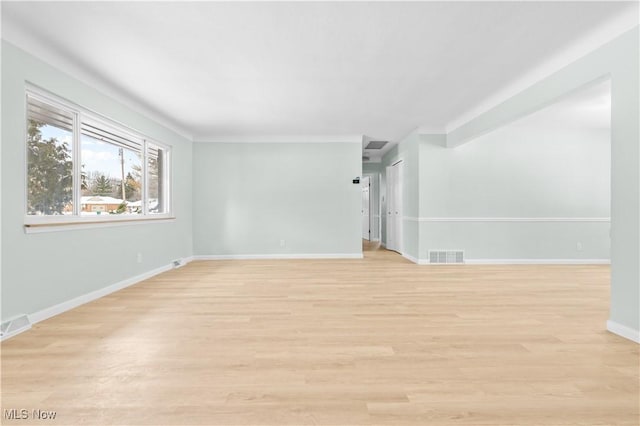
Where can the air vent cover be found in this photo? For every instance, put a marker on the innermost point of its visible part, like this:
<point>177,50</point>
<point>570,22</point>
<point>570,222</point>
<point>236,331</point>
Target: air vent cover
<point>446,256</point>
<point>14,326</point>
<point>376,144</point>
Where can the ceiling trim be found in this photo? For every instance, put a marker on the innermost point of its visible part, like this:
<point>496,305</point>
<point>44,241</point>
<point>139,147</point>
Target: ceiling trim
<point>50,55</point>
<point>431,130</point>
<point>280,139</point>
<point>585,45</point>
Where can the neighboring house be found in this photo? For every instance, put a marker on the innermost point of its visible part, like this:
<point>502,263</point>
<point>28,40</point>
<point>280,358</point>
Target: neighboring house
<point>136,206</point>
<point>99,204</point>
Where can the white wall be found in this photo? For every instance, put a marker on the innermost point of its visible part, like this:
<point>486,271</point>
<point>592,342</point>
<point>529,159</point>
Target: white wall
<point>250,196</point>
<point>46,269</point>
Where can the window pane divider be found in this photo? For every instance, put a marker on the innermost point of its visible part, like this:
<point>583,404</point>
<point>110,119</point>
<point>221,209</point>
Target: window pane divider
<point>145,185</point>
<point>76,166</point>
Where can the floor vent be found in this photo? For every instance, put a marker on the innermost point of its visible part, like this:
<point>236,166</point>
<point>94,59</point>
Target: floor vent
<point>178,263</point>
<point>14,326</point>
<point>446,256</point>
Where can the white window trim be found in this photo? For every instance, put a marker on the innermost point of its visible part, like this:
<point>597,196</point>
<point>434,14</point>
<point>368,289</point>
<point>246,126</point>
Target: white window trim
<point>37,223</point>
<point>86,224</point>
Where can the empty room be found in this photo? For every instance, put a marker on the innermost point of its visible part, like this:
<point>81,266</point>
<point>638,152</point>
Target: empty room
<point>320,213</point>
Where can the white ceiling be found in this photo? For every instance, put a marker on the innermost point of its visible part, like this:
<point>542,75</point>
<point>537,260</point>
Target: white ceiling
<point>224,70</point>
<point>587,109</point>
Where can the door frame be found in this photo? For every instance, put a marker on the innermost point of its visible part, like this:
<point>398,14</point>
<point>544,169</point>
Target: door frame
<point>368,178</point>
<point>398,245</point>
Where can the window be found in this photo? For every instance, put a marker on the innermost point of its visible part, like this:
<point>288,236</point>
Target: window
<point>49,157</point>
<point>111,171</point>
<point>83,167</point>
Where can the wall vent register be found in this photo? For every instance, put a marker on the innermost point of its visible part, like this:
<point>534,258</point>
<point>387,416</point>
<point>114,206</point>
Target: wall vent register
<point>446,256</point>
<point>14,326</point>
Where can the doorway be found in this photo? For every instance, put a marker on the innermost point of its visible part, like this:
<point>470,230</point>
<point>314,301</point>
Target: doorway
<point>366,208</point>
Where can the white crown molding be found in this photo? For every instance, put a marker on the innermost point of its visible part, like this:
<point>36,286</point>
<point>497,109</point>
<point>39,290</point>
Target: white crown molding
<point>600,35</point>
<point>506,219</point>
<point>280,139</point>
<point>623,331</point>
<point>24,40</point>
<point>278,256</point>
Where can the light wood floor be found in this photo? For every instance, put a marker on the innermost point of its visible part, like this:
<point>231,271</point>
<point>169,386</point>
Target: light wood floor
<point>334,342</point>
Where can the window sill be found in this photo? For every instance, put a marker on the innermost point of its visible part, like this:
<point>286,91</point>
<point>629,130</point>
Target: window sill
<point>32,226</point>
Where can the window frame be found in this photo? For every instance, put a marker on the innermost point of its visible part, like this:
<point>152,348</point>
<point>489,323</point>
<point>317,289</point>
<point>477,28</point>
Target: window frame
<point>81,114</point>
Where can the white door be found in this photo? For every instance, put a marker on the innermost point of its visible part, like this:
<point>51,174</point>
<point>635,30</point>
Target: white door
<point>390,206</point>
<point>397,192</point>
<point>394,207</point>
<point>366,214</point>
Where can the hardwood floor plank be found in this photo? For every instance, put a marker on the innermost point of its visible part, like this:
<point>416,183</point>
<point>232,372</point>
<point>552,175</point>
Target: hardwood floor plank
<point>336,342</point>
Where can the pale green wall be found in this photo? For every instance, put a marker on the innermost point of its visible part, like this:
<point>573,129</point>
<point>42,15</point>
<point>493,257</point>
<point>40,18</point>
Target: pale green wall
<point>371,168</point>
<point>249,196</point>
<point>407,151</point>
<point>42,270</point>
<point>518,172</point>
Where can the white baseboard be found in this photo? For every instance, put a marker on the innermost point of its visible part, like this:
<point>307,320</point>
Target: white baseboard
<point>411,258</point>
<point>623,331</point>
<point>278,256</point>
<point>89,297</point>
<point>537,261</point>
<point>375,240</point>
<point>516,262</point>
